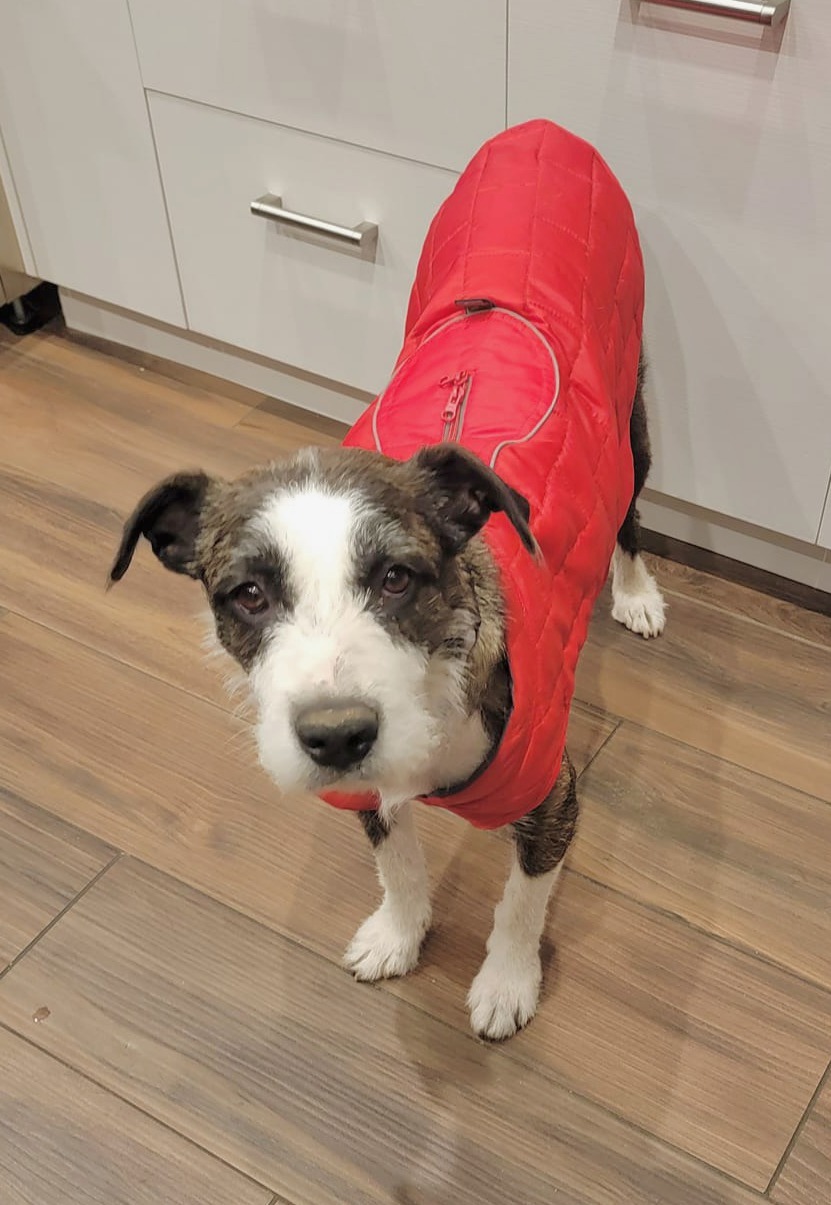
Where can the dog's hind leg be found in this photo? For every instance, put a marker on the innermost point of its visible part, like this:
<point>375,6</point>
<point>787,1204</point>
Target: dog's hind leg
<point>637,602</point>
<point>503,996</point>
<point>389,942</point>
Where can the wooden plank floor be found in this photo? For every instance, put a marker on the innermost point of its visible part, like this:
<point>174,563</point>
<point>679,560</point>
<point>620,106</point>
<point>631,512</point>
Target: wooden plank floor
<point>174,1025</point>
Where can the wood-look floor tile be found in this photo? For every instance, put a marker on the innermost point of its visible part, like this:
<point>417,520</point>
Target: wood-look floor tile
<point>327,1091</point>
<point>712,1049</point>
<point>741,692</point>
<point>65,1141</point>
<point>44,863</point>
<point>54,363</point>
<point>708,1048</point>
<point>784,617</point>
<point>99,428</point>
<point>172,779</point>
<point>732,852</point>
<point>56,548</point>
<point>806,1176</point>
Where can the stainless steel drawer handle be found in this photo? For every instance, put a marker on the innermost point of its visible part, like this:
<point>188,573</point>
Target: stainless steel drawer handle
<point>773,13</point>
<point>364,236</point>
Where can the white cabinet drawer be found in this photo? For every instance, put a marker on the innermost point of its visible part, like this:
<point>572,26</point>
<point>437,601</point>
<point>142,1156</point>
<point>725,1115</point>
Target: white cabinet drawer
<point>723,140</point>
<point>302,300</point>
<point>75,126</point>
<point>424,80</point>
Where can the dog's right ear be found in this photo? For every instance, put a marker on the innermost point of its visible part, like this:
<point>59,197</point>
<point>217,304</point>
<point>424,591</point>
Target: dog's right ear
<point>169,517</point>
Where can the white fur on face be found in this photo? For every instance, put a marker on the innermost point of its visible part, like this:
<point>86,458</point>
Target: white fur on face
<point>332,647</point>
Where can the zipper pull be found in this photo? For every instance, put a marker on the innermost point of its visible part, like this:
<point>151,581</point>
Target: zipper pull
<point>457,391</point>
<point>449,412</point>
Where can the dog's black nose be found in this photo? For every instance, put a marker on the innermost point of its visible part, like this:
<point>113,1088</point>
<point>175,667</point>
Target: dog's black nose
<point>337,735</point>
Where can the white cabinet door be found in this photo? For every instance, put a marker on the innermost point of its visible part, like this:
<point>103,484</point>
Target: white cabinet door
<point>285,294</point>
<point>74,121</point>
<point>722,138</point>
<point>424,79</point>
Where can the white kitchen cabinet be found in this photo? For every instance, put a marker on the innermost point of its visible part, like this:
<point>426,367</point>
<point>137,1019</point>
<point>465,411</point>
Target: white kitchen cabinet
<point>75,125</point>
<point>364,111</point>
<point>424,80</point>
<point>299,299</point>
<point>722,136</point>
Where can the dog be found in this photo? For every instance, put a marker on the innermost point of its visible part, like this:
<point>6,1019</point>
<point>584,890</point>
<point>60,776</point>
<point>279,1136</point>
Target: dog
<point>408,608</point>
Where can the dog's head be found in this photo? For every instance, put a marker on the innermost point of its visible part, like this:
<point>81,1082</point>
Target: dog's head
<point>349,588</point>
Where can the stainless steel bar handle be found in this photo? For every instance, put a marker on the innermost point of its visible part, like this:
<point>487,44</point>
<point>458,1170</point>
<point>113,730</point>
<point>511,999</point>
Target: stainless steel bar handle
<point>772,13</point>
<point>364,236</point>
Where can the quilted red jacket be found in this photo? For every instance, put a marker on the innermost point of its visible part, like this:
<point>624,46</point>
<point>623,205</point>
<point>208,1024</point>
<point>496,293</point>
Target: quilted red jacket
<point>521,342</point>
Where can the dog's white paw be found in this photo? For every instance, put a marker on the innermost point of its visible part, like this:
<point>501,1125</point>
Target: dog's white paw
<point>384,947</point>
<point>503,996</point>
<point>644,612</point>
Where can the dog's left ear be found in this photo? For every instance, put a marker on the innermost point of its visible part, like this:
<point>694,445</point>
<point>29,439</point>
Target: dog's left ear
<point>467,492</point>
<point>168,517</point>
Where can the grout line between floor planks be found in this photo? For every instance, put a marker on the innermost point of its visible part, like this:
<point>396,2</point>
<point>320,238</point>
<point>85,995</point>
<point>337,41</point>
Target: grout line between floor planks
<point>677,740</point>
<point>824,1079</point>
<point>603,743</point>
<point>749,619</point>
<point>117,856</point>
<point>736,946</point>
<point>131,1104</point>
<point>229,711</point>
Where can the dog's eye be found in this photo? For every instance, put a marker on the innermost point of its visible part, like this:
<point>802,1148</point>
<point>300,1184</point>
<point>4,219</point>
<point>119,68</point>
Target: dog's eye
<point>250,599</point>
<point>397,581</point>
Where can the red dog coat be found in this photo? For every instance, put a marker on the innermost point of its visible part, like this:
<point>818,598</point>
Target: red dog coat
<point>536,373</point>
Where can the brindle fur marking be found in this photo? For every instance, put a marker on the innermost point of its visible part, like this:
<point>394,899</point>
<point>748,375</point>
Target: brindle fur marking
<point>375,827</point>
<point>543,836</point>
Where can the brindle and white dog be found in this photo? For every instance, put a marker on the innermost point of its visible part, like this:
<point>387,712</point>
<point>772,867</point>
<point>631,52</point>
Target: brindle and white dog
<point>364,607</point>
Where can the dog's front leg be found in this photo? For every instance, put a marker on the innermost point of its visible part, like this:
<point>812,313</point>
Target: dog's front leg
<point>389,942</point>
<point>503,996</point>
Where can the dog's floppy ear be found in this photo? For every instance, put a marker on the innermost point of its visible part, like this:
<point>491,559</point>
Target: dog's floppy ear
<point>169,517</point>
<point>467,492</point>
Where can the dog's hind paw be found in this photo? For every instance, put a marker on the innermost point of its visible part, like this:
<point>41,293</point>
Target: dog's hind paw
<point>503,996</point>
<point>637,602</point>
<point>643,613</point>
<point>384,948</point>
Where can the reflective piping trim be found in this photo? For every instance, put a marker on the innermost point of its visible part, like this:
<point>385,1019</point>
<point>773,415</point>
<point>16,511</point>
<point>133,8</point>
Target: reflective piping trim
<point>508,443</point>
<point>447,322</point>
